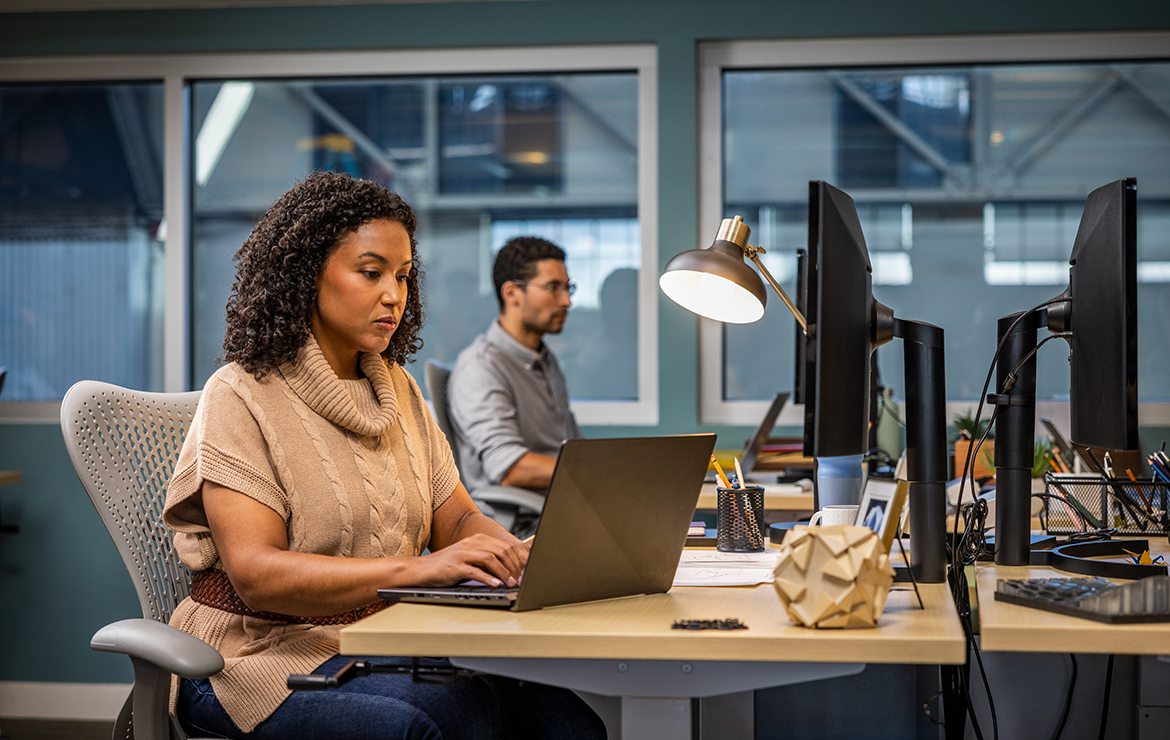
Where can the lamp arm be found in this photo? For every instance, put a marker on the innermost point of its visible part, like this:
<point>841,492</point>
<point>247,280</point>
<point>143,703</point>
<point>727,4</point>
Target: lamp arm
<point>753,254</point>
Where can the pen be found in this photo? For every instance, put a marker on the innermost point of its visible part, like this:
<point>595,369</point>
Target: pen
<point>1140,492</point>
<point>1096,463</point>
<point>719,471</point>
<point>739,473</point>
<point>1058,460</point>
<point>1159,468</point>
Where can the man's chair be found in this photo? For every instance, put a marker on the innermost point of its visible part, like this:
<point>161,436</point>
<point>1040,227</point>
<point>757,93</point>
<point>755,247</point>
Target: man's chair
<point>123,445</point>
<point>514,508</point>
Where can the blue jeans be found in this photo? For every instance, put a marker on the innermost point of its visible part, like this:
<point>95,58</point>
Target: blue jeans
<point>391,706</point>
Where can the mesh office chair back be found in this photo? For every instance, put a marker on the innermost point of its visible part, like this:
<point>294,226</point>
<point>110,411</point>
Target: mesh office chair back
<point>515,509</point>
<point>124,445</point>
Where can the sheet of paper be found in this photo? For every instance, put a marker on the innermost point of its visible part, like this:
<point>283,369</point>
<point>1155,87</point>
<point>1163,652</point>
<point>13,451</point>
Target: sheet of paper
<point>715,568</point>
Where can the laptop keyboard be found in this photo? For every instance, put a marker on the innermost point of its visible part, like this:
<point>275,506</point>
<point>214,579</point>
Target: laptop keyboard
<point>482,590</point>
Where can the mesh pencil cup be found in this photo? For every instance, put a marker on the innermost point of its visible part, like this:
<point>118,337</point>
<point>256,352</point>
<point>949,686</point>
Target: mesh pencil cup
<point>740,519</point>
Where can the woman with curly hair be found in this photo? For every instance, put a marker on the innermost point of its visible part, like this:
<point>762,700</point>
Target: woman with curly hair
<point>313,475</point>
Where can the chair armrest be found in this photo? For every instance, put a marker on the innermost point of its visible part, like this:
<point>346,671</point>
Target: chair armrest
<point>167,647</point>
<point>522,498</point>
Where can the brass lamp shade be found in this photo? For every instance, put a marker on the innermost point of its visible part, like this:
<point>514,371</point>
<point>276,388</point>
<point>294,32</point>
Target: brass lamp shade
<point>715,282</point>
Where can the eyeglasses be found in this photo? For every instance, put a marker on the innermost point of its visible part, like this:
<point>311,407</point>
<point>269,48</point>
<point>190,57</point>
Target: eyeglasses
<point>557,289</point>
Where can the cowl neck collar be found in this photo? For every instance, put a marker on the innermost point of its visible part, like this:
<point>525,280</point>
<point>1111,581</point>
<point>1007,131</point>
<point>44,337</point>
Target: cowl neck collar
<point>315,383</point>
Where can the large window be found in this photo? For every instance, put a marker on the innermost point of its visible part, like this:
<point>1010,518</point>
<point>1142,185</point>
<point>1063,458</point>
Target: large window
<point>969,181</point>
<point>80,262</point>
<point>481,159</point>
<point>121,206</point>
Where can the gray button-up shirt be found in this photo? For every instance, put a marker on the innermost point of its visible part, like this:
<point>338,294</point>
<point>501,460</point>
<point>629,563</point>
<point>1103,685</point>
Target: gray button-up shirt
<point>506,400</point>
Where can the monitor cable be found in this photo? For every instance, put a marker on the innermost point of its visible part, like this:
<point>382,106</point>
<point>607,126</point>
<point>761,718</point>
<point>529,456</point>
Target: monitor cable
<point>1105,705</point>
<point>957,681</point>
<point>1072,685</point>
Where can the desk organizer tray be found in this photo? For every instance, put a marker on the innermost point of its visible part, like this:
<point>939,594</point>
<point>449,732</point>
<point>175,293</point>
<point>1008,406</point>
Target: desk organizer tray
<point>1076,503</point>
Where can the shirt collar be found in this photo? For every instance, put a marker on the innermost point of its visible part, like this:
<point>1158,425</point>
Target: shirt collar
<point>506,343</point>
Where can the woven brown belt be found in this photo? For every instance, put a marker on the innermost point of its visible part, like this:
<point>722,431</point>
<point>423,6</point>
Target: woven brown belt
<point>212,588</point>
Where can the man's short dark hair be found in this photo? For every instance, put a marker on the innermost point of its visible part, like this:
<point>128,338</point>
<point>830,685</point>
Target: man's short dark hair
<point>517,260</point>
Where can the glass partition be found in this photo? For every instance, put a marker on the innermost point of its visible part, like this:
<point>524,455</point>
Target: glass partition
<point>81,260</point>
<point>480,158</point>
<point>969,181</point>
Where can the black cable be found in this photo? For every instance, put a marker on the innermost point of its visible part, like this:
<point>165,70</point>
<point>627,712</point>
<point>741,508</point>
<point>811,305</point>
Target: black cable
<point>883,410</point>
<point>958,578</point>
<point>969,471</point>
<point>966,552</point>
<point>1013,376</point>
<point>986,689</point>
<point>1105,706</point>
<point>1093,535</point>
<point>973,542</point>
<point>962,673</point>
<point>1072,684</point>
<point>987,383</point>
<point>1064,499</point>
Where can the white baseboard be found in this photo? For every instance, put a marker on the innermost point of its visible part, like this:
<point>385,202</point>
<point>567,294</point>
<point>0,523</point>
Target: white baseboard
<point>63,701</point>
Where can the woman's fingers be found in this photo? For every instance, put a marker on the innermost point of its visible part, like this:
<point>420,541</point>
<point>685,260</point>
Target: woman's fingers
<point>477,556</point>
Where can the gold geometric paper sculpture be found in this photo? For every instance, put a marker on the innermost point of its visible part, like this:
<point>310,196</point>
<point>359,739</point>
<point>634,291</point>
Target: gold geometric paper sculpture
<point>833,576</point>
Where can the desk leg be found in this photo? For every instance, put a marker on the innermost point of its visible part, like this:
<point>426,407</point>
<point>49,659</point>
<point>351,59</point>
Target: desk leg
<point>657,719</point>
<point>728,717</point>
<point>724,689</point>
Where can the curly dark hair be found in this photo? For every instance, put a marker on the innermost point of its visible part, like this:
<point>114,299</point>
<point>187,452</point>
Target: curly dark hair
<point>268,313</point>
<point>516,261</point>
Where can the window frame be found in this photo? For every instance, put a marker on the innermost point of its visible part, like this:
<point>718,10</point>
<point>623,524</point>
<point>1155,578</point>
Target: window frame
<point>178,72</point>
<point>717,56</point>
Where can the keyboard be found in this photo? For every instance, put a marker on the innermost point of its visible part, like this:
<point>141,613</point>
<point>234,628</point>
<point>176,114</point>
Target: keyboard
<point>1146,600</point>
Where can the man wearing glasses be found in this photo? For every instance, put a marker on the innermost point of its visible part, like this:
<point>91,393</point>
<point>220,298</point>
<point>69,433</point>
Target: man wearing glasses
<point>507,396</point>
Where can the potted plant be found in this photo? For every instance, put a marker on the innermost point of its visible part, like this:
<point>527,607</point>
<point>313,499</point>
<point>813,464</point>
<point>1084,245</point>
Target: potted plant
<point>984,464</point>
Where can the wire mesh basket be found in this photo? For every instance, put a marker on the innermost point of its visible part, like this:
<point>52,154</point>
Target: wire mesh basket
<point>740,519</point>
<point>1079,503</point>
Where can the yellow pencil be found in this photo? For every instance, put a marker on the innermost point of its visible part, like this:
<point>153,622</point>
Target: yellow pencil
<point>719,471</point>
<point>739,473</point>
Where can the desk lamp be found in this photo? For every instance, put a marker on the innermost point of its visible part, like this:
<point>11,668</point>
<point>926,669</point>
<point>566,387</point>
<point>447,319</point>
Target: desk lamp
<point>841,327</point>
<point>716,282</point>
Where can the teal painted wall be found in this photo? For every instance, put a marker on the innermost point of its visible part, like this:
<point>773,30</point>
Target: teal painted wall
<point>60,577</point>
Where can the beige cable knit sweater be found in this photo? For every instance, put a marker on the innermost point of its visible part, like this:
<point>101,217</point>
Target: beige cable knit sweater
<point>355,468</point>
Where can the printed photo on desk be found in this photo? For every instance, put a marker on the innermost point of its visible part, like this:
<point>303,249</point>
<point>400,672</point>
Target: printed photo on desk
<point>881,507</point>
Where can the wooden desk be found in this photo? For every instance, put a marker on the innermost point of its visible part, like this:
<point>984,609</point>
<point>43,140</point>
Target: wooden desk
<point>777,497</point>
<point>1014,628</point>
<point>626,647</point>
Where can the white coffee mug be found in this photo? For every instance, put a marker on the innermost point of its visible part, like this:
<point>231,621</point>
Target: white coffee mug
<point>833,515</point>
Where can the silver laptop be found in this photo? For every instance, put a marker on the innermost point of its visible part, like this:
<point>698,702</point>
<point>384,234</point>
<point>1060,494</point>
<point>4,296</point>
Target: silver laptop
<point>614,524</point>
<point>763,432</point>
<point>759,438</point>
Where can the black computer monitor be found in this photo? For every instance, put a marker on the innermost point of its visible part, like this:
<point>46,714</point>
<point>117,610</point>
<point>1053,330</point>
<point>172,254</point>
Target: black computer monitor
<point>1102,317</point>
<point>839,309</point>
<point>800,353</point>
<point>846,325</point>
<point>1097,315</point>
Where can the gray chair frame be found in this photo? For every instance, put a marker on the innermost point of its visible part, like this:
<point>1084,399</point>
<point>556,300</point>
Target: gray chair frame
<point>123,445</point>
<point>505,504</point>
